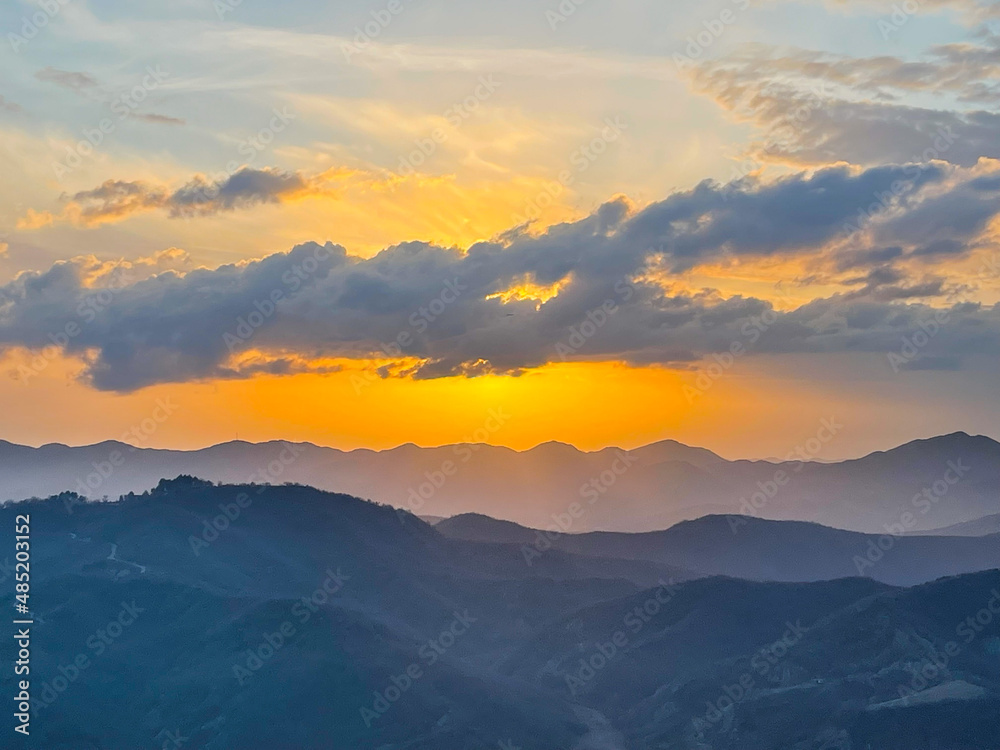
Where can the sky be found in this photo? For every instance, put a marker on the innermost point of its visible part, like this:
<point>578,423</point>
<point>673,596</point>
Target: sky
<point>364,224</point>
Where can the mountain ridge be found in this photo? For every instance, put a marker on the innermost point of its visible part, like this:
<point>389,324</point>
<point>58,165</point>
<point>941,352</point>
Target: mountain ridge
<point>643,489</point>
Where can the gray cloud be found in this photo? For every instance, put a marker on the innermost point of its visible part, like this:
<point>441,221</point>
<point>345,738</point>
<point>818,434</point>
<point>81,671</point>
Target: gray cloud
<point>818,108</point>
<point>9,106</point>
<point>158,119</point>
<point>970,11</point>
<point>443,305</point>
<point>88,85</point>
<point>245,188</point>
<point>67,79</point>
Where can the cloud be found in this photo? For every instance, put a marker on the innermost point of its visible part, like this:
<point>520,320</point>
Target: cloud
<point>8,106</point>
<point>818,108</point>
<point>159,119</point>
<point>607,281</point>
<point>67,79</point>
<point>971,11</point>
<point>115,200</point>
<point>88,85</point>
<point>33,219</point>
<point>100,274</point>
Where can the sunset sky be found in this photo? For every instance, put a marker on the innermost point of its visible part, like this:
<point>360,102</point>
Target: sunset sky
<point>367,224</point>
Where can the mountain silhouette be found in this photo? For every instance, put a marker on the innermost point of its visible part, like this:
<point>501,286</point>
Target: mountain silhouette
<point>644,489</point>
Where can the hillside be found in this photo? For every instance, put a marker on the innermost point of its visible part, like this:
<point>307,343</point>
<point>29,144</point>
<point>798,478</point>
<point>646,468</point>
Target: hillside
<point>388,634</point>
<point>755,549</point>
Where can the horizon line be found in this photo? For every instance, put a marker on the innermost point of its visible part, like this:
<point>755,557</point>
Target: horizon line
<point>771,459</point>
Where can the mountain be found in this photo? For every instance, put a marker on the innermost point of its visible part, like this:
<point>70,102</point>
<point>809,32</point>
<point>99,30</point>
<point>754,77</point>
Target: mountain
<point>927,483</point>
<point>218,576</point>
<point>752,548</point>
<point>733,665</point>
<point>182,610</point>
<point>978,527</point>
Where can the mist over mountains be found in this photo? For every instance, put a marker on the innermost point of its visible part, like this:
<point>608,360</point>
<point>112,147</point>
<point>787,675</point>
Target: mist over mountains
<point>920,486</point>
<point>258,616</point>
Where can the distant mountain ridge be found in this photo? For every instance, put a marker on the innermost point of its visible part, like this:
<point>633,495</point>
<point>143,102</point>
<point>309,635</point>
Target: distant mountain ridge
<point>644,489</point>
<point>977,527</point>
<point>754,549</point>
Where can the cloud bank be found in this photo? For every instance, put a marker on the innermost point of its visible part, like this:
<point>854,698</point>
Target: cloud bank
<point>612,281</point>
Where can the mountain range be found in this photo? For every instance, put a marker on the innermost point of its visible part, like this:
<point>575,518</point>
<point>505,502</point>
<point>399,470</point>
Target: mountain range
<point>259,616</point>
<point>752,548</point>
<point>924,485</point>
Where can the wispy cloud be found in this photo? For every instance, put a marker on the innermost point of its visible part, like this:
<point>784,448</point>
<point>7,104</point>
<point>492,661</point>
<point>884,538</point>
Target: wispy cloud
<point>67,79</point>
<point>115,200</point>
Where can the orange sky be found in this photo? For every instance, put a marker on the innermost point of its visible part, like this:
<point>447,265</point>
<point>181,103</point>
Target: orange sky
<point>533,144</point>
<point>746,413</point>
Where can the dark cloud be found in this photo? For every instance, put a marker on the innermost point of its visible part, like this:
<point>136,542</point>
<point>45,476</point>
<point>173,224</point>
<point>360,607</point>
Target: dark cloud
<point>886,284</point>
<point>440,311</point>
<point>86,84</point>
<point>245,188</point>
<point>868,257</point>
